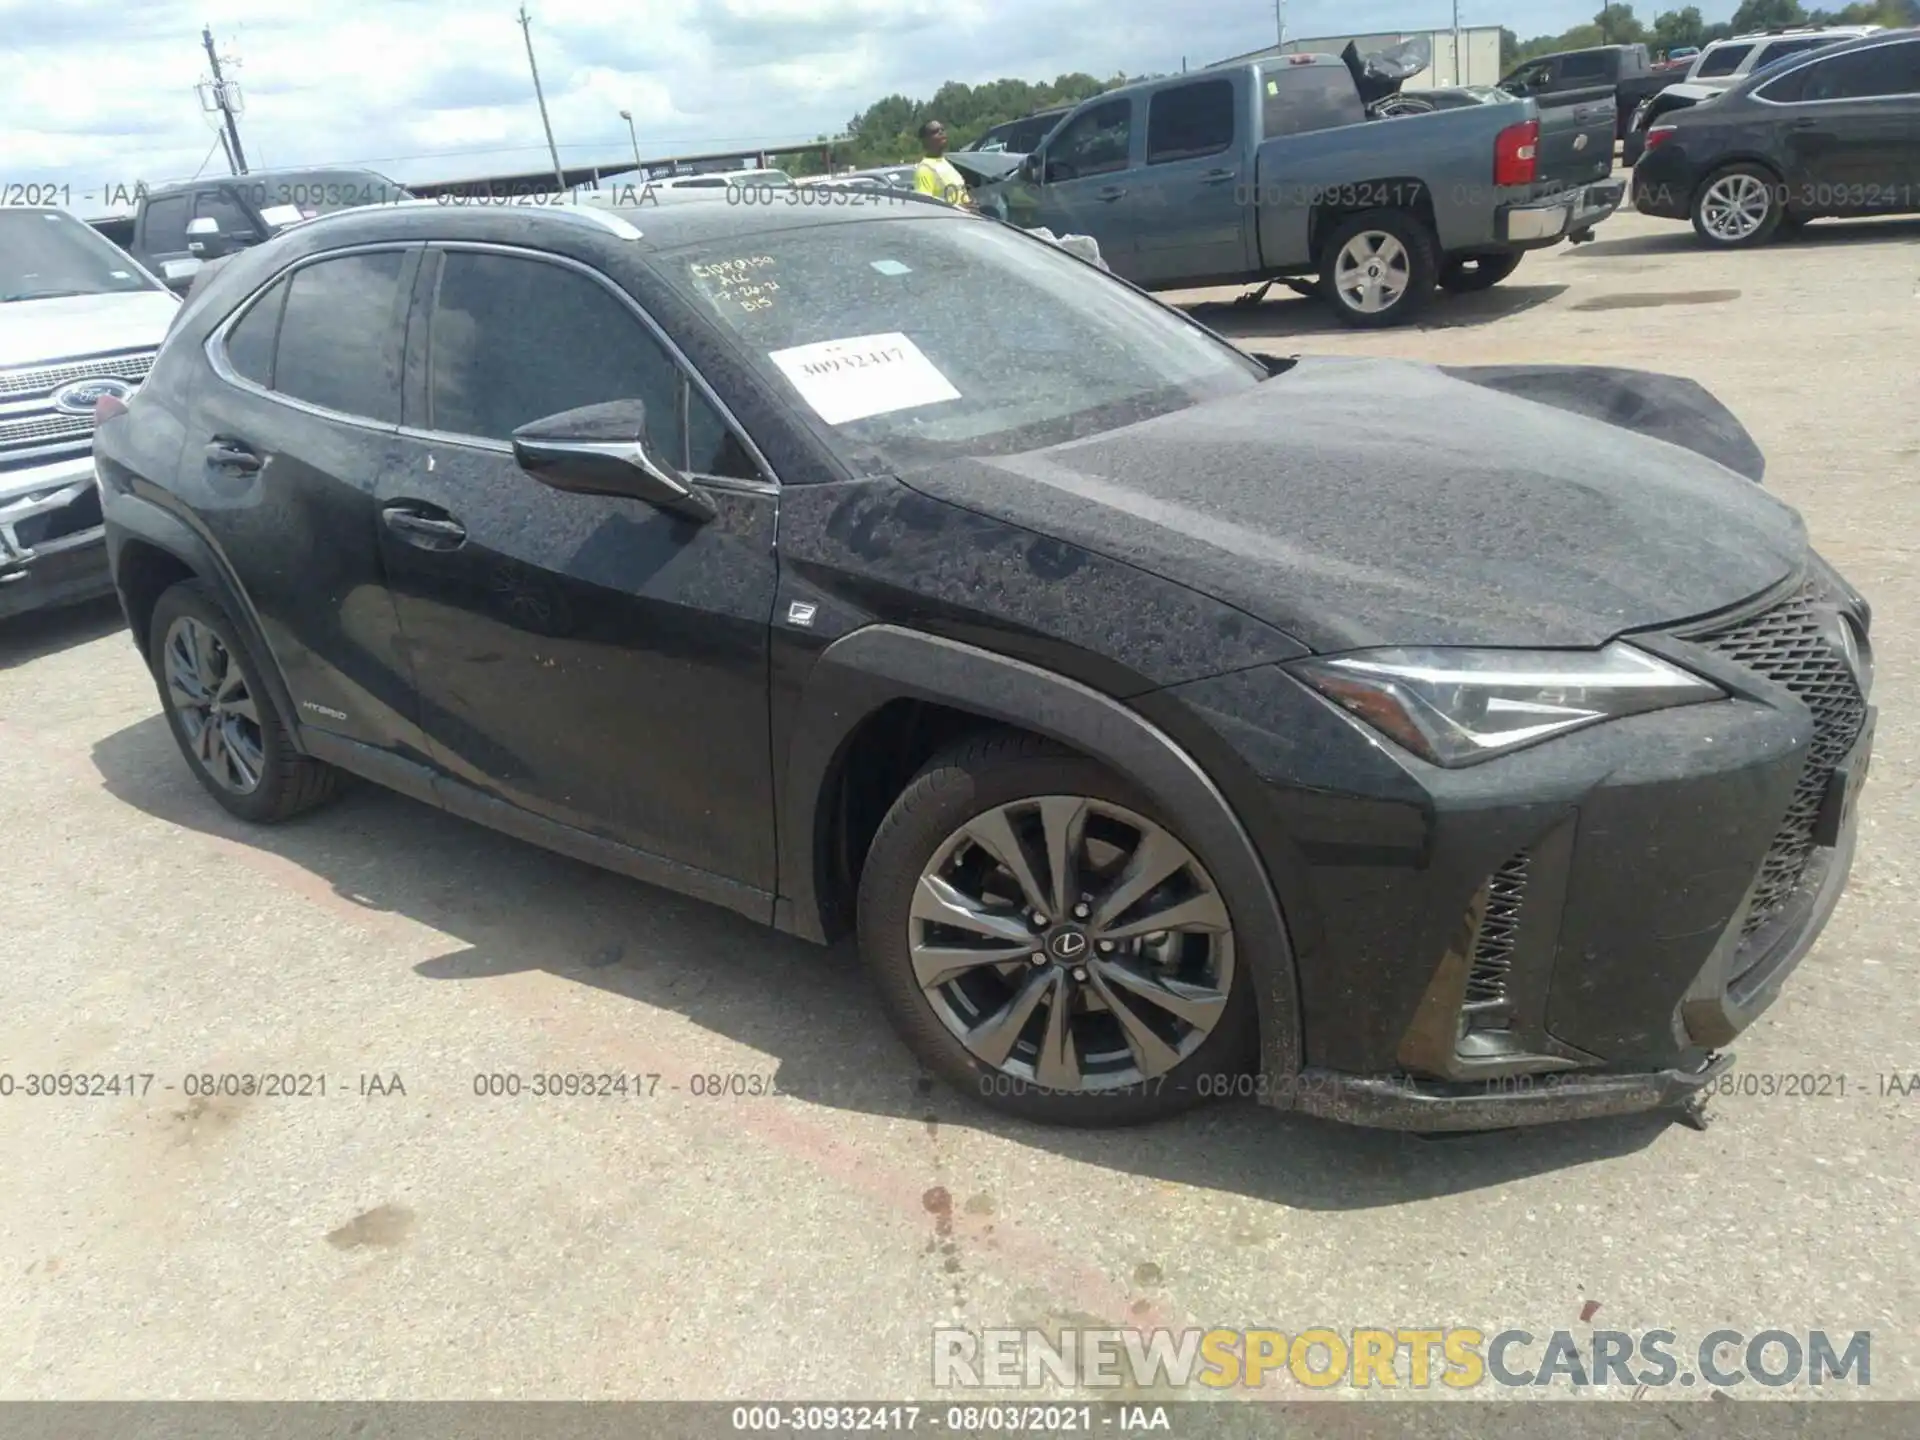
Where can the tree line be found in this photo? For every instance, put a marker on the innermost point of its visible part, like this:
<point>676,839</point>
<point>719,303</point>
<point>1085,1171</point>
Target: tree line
<point>887,132</point>
<point>1672,29</point>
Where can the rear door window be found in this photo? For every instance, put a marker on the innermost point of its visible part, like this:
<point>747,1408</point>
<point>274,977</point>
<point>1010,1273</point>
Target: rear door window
<point>340,335</point>
<point>1582,69</point>
<point>1187,122</point>
<point>1879,72</point>
<point>223,208</point>
<point>1303,98</point>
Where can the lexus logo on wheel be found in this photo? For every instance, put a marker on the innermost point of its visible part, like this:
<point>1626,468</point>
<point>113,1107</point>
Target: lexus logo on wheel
<point>1068,945</point>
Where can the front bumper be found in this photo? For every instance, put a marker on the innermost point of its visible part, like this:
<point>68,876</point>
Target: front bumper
<point>1578,928</point>
<point>1535,223</point>
<point>52,545</point>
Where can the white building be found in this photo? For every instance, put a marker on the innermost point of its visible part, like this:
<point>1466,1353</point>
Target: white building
<point>1478,61</point>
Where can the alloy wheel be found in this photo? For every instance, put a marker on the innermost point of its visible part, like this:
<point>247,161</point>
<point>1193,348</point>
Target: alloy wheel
<point>216,710</point>
<point>1735,206</point>
<point>1372,272</point>
<point>1071,943</point>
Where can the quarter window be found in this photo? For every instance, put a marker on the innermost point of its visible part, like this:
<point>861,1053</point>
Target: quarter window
<point>340,335</point>
<point>1188,122</point>
<point>250,343</point>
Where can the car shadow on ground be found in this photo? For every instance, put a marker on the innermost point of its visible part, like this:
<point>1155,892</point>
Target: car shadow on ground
<point>28,637</point>
<point>1817,235</point>
<point>514,907</point>
<point>1284,313</point>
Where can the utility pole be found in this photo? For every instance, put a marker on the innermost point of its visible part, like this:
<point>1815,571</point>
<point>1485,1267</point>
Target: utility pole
<point>1457,77</point>
<point>559,176</point>
<point>222,99</point>
<point>1280,20</point>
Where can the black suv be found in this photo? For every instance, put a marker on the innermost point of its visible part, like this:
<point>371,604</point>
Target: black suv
<point>1382,740</point>
<point>176,228</point>
<point>1832,133</point>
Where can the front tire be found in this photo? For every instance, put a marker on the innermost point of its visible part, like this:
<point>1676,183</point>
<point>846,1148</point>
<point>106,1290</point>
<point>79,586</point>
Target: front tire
<point>233,737</point>
<point>1379,268</point>
<point>1122,1001</point>
<point>1738,207</point>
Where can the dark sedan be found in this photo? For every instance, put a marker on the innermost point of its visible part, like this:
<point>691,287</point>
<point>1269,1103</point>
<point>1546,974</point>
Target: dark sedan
<point>1413,746</point>
<point>1836,133</point>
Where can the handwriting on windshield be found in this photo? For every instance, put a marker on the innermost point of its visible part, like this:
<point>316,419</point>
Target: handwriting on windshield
<point>746,283</point>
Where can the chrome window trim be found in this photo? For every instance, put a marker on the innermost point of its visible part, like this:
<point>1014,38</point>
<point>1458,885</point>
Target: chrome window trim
<point>216,343</point>
<point>1816,57</point>
<point>688,371</point>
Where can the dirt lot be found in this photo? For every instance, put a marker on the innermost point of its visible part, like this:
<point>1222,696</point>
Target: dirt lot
<point>425,1242</point>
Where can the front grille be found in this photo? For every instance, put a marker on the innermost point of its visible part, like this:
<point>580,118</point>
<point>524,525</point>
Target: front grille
<point>45,379</point>
<point>44,428</point>
<point>1788,645</point>
<point>1487,1003</point>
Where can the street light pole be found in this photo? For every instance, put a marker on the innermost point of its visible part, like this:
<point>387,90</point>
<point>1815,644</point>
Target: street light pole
<point>1280,20</point>
<point>1457,79</point>
<point>559,176</point>
<point>627,115</point>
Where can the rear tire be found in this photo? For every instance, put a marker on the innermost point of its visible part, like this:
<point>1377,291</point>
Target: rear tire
<point>1471,274</point>
<point>1739,206</point>
<point>1379,268</point>
<point>1018,790</point>
<point>233,737</point>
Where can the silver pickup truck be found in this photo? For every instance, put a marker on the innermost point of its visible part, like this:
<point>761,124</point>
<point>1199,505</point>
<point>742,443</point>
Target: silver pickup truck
<point>1273,170</point>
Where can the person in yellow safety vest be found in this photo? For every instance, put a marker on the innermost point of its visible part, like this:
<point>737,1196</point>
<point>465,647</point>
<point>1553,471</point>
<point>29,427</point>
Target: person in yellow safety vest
<point>935,174</point>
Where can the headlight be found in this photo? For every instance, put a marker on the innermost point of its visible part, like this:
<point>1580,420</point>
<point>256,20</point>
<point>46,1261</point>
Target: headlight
<point>1458,707</point>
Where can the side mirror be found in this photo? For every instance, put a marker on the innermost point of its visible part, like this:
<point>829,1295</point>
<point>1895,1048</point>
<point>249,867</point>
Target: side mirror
<point>601,450</point>
<point>1034,168</point>
<point>204,238</point>
<point>179,273</point>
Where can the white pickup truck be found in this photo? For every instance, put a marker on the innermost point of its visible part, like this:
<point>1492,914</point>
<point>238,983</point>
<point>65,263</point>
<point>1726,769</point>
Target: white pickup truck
<point>79,321</point>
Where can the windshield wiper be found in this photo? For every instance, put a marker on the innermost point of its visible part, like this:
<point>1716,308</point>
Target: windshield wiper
<point>45,295</point>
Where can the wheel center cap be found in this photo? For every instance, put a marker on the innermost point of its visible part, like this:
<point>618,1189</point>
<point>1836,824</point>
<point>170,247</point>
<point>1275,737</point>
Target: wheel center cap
<point>1068,944</point>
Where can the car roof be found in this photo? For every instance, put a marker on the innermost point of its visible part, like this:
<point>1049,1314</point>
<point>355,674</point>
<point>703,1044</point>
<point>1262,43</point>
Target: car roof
<point>179,187</point>
<point>1872,39</point>
<point>691,217</point>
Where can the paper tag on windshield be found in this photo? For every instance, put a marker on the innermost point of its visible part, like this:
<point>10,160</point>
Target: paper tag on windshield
<point>278,215</point>
<point>867,375</point>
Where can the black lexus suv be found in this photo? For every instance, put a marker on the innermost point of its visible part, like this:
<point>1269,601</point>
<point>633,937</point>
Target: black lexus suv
<point>1412,746</point>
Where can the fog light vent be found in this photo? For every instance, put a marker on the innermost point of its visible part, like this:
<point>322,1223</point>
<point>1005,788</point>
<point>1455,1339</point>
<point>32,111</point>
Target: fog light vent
<point>1487,1005</point>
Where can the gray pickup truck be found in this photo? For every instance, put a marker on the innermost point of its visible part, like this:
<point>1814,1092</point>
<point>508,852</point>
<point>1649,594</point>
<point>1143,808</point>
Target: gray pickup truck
<point>1272,170</point>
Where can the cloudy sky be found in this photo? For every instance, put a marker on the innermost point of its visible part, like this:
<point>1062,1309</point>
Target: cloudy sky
<point>100,93</point>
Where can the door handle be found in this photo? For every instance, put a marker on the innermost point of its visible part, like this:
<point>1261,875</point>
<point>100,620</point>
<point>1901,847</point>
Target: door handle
<point>1110,193</point>
<point>430,532</point>
<point>1215,177</point>
<point>232,455</point>
<point>1805,123</point>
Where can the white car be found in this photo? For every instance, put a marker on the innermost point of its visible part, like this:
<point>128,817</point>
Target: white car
<point>80,321</point>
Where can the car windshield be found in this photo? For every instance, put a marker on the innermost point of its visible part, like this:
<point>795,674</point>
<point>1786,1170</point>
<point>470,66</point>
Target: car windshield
<point>45,254</point>
<point>925,339</point>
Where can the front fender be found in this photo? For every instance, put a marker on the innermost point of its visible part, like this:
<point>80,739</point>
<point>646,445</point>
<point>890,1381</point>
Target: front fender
<point>861,672</point>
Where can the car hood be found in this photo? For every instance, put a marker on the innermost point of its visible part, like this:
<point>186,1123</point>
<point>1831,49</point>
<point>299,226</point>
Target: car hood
<point>1370,502</point>
<point>68,327</point>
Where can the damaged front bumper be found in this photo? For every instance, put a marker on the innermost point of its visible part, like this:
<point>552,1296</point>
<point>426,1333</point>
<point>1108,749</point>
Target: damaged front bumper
<point>52,545</point>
